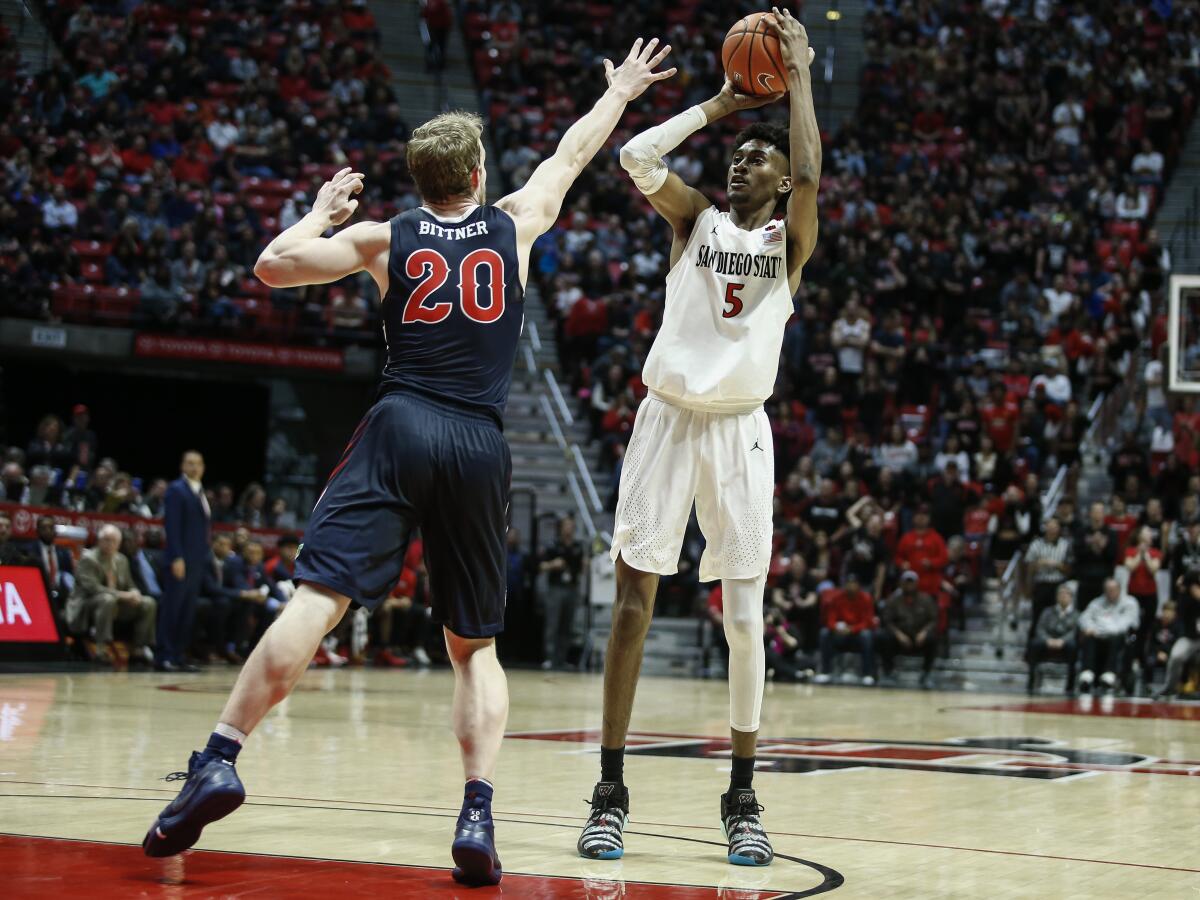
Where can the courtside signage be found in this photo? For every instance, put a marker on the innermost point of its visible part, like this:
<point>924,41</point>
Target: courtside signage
<point>25,615</point>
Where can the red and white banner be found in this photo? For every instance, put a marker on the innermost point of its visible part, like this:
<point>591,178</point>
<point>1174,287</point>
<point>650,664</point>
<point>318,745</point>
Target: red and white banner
<point>24,523</point>
<point>25,615</point>
<point>166,347</point>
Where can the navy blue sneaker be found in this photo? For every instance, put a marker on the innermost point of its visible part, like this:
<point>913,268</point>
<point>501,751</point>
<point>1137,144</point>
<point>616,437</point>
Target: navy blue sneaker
<point>212,791</point>
<point>474,848</point>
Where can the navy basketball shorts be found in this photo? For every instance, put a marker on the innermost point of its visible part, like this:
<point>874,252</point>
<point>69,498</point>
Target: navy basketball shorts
<point>416,463</point>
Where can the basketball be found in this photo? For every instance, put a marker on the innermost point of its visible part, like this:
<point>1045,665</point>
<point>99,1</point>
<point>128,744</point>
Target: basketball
<point>751,56</point>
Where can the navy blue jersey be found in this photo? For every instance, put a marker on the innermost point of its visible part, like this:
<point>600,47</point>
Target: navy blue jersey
<point>453,311</point>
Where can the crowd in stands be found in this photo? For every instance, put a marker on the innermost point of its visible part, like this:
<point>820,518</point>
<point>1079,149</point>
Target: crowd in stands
<point>985,270</point>
<point>142,172</point>
<point>246,582</point>
<point>62,468</point>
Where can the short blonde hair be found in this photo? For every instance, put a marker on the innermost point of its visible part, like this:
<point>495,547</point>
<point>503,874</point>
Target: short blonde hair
<point>442,153</point>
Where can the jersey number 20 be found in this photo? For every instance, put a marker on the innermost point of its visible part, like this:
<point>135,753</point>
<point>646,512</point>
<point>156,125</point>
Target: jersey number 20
<point>432,267</point>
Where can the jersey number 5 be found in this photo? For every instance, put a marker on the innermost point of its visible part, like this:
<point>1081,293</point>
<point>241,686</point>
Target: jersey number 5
<point>432,267</point>
<point>734,301</point>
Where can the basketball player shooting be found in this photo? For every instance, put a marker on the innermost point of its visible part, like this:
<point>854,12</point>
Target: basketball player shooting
<point>429,453</point>
<point>702,433</point>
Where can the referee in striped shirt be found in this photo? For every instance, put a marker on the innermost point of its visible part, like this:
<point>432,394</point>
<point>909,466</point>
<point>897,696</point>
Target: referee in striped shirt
<point>1048,563</point>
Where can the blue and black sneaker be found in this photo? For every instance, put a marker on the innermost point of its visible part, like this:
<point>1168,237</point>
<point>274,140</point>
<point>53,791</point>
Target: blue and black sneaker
<point>743,828</point>
<point>603,836</point>
<point>211,791</point>
<point>474,848</point>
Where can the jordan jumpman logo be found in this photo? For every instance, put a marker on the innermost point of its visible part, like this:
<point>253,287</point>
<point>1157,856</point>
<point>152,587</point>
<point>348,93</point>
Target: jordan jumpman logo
<point>756,447</point>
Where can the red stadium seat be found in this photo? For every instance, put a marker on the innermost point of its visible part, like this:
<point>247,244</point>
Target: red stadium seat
<point>91,249</point>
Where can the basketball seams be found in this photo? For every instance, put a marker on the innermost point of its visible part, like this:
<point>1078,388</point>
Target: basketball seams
<point>771,56</point>
<point>751,68</point>
<point>726,61</point>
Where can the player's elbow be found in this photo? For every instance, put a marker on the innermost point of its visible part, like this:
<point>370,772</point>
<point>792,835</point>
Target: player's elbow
<point>630,159</point>
<point>269,270</point>
<point>806,175</point>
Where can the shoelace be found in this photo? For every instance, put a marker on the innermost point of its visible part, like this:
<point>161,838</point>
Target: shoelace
<point>746,813</point>
<point>178,776</point>
<point>607,816</point>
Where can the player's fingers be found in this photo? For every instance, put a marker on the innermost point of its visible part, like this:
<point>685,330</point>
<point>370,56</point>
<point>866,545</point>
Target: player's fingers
<point>666,73</point>
<point>352,206</point>
<point>660,56</point>
<point>608,69</point>
<point>338,177</point>
<point>648,49</point>
<point>635,50</point>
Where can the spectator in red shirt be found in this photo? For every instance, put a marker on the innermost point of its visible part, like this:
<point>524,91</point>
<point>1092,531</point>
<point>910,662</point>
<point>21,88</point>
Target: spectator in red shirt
<point>189,168</point>
<point>403,625</point>
<point>923,551</point>
<point>849,618</point>
<point>1120,523</point>
<point>137,159</point>
<point>1001,416</point>
<point>1142,561</point>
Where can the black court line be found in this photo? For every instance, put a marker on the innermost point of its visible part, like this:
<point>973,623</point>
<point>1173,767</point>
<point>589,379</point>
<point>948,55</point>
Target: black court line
<point>832,879</point>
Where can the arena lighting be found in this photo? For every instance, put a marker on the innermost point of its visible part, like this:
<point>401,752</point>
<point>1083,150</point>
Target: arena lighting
<point>832,15</point>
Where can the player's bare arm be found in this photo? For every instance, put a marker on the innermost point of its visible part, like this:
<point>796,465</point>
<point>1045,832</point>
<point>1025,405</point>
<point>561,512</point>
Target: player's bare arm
<point>805,139</point>
<point>302,256</point>
<point>679,203</point>
<point>535,207</point>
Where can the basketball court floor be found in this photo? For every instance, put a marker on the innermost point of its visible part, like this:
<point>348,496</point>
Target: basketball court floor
<point>353,787</point>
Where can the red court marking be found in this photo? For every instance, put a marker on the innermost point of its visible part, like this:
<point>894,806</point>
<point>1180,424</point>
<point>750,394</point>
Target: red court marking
<point>1086,706</point>
<point>43,867</point>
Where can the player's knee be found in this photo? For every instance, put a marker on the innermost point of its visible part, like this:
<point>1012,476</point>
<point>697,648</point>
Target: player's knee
<point>461,649</point>
<point>742,627</point>
<point>632,613</point>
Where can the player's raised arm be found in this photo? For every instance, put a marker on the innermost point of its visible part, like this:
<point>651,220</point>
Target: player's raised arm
<point>301,256</point>
<point>535,207</point>
<point>642,158</point>
<point>805,137</point>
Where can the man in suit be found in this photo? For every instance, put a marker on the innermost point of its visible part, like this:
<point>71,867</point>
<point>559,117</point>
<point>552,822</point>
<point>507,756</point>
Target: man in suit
<point>186,516</point>
<point>104,593</point>
<point>56,563</point>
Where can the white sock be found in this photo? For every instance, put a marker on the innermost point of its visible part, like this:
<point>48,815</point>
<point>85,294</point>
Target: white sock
<point>228,731</point>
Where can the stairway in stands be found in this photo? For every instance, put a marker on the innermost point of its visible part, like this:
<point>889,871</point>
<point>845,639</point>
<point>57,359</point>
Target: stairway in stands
<point>838,42</point>
<point>32,41</point>
<point>421,95</point>
<point>1178,219</point>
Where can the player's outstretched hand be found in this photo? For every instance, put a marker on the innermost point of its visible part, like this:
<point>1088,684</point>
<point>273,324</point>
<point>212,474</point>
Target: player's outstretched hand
<point>793,39</point>
<point>733,100</point>
<point>637,73</point>
<point>334,199</point>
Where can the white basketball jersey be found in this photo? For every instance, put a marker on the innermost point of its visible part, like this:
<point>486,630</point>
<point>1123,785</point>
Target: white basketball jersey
<point>727,303</point>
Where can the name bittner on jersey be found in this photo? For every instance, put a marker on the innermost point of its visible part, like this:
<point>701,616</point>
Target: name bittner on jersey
<point>726,262</point>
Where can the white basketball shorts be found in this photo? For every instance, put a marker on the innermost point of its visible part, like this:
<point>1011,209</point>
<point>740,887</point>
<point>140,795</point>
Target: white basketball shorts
<point>722,461</point>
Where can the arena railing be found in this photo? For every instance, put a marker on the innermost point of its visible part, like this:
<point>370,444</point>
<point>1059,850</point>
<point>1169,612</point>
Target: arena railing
<point>1099,415</point>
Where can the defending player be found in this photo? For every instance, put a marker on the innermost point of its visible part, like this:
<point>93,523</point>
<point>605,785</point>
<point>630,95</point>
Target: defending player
<point>429,453</point>
<point>702,432</point>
